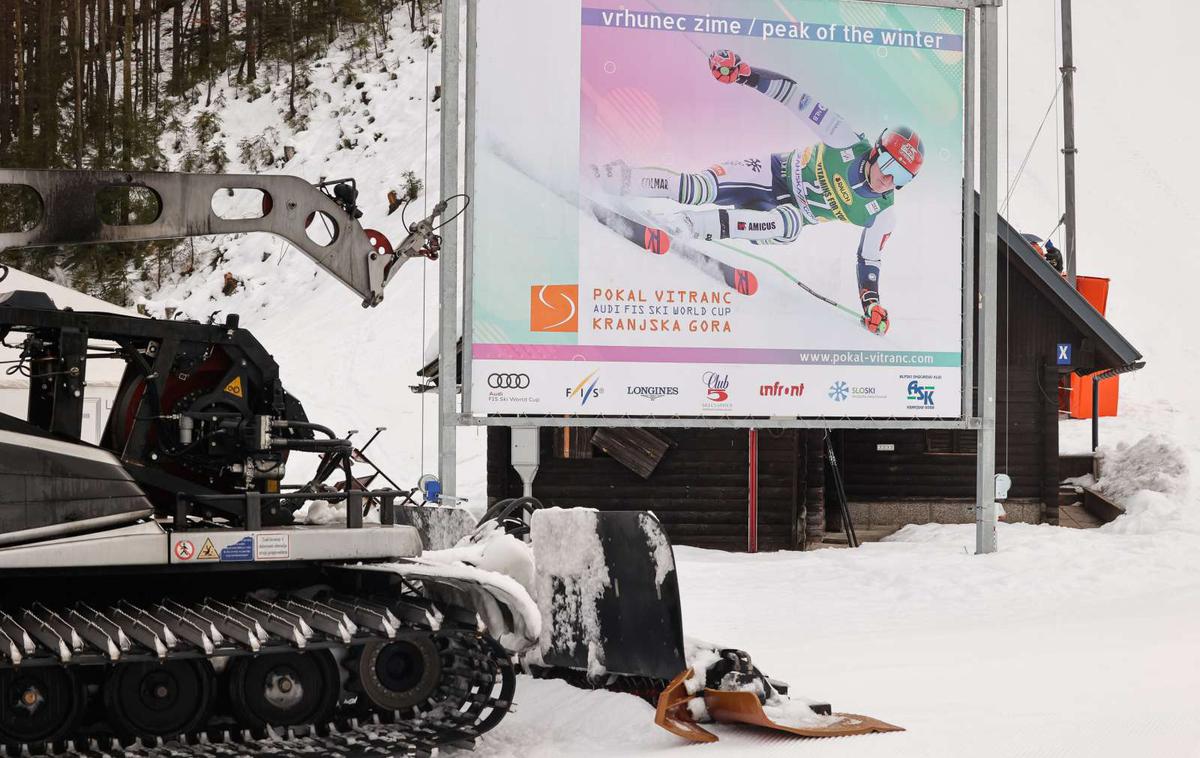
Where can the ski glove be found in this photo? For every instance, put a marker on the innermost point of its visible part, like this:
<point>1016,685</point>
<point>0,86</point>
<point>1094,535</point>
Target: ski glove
<point>727,66</point>
<point>875,318</point>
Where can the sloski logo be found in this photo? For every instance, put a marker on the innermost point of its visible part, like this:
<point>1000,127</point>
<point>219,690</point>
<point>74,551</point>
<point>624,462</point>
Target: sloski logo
<point>839,391</point>
<point>554,308</point>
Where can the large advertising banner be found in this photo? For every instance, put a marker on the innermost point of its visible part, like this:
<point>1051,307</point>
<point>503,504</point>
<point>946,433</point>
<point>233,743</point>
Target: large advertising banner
<point>718,208</point>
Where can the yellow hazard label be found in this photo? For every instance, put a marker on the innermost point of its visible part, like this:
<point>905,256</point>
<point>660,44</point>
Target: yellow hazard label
<point>208,552</point>
<point>235,387</point>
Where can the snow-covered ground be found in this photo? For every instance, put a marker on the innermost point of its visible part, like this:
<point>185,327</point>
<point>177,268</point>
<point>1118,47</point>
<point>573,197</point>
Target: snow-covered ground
<point>1065,643</point>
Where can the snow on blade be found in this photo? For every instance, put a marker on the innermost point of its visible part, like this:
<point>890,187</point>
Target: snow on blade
<point>664,559</point>
<point>571,578</point>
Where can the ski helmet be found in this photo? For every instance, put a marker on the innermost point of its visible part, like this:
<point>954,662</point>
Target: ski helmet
<point>899,153</point>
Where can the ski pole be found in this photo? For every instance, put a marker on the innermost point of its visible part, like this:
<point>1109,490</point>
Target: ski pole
<point>848,311</point>
<point>686,35</point>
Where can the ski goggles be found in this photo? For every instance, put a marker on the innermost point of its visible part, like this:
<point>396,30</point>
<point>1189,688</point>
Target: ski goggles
<point>888,164</point>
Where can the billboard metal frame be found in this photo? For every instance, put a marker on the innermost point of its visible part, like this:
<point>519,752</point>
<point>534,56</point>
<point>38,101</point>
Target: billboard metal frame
<point>980,82</point>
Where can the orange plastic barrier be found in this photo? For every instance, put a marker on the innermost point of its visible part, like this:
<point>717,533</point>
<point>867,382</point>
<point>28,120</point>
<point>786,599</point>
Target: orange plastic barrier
<point>1095,290</point>
<point>1079,399</point>
<point>1075,396</point>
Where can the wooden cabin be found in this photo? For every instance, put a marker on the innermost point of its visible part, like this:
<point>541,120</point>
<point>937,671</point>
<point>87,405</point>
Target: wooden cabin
<point>698,480</point>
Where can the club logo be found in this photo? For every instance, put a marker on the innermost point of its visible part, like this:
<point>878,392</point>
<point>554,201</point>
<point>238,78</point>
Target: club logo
<point>508,381</point>
<point>781,390</point>
<point>718,386</point>
<point>554,308</point>
<point>918,392</point>
<point>586,389</point>
<point>839,391</point>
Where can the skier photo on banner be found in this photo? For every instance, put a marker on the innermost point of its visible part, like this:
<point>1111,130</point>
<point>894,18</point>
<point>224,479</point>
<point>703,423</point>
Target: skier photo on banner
<point>768,199</point>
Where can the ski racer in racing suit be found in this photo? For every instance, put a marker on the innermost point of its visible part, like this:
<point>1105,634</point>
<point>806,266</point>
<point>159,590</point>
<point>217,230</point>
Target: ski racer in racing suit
<point>769,198</point>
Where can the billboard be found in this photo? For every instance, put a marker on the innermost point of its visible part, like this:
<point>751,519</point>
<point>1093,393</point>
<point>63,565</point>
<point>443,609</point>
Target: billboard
<point>736,208</point>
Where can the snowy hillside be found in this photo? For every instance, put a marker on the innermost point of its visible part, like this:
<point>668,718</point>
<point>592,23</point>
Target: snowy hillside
<point>373,119</point>
<point>1073,643</point>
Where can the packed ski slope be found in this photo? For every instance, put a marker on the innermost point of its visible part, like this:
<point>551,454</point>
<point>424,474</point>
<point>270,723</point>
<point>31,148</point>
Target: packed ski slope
<point>1065,643</point>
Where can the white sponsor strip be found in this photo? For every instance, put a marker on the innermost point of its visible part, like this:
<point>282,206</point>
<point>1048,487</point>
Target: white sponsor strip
<point>630,389</point>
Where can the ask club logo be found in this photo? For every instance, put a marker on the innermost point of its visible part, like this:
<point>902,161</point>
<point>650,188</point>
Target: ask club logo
<point>554,308</point>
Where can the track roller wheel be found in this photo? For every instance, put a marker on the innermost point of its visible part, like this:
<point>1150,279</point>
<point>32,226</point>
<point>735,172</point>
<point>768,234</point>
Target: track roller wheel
<point>396,676</point>
<point>159,699</point>
<point>39,704</point>
<point>284,689</point>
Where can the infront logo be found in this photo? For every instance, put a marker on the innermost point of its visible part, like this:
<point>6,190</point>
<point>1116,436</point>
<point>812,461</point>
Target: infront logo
<point>554,308</point>
<point>779,389</point>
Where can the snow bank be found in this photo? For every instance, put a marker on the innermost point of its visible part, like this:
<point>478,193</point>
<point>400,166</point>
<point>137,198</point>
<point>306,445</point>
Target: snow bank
<point>1155,463</point>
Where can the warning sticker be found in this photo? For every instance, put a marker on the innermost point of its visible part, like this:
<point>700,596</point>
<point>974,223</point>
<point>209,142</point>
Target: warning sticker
<point>242,550</point>
<point>272,547</point>
<point>235,387</point>
<point>184,550</point>
<point>208,552</point>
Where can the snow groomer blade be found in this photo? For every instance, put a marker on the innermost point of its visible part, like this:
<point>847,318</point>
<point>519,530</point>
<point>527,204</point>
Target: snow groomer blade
<point>609,593</point>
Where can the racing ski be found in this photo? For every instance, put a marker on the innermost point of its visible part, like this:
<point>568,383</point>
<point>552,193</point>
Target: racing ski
<point>629,225</point>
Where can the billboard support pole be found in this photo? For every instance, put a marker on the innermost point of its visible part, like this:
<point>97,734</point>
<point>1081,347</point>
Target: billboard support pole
<point>752,509</point>
<point>448,270</point>
<point>985,459</point>
<point>1069,151</point>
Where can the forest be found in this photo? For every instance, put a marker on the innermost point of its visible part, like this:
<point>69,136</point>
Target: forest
<point>98,84</point>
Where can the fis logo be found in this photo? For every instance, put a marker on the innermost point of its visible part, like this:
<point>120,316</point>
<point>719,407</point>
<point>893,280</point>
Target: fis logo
<point>554,308</point>
<point>718,386</point>
<point>586,389</point>
<point>754,164</point>
<point>920,393</point>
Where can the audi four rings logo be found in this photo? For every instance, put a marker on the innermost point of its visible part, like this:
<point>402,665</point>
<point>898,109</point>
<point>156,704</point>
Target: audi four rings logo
<point>508,381</point>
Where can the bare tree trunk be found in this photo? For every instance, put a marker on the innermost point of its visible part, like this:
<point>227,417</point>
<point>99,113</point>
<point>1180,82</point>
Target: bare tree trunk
<point>251,49</point>
<point>177,49</point>
<point>206,61</point>
<point>76,36</point>
<point>292,60</point>
<point>127,111</point>
<point>6,76</point>
<point>24,127</point>
<point>100,109</point>
<point>47,107</point>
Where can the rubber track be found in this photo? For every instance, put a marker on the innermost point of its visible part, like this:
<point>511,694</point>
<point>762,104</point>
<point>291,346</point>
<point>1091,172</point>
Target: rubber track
<point>473,695</point>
